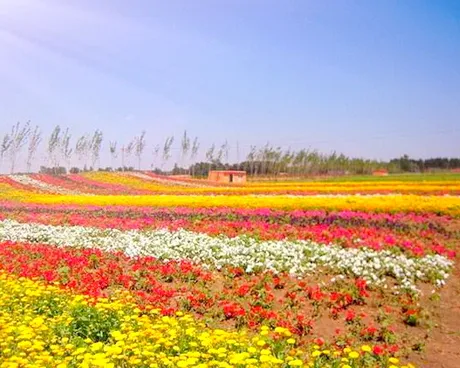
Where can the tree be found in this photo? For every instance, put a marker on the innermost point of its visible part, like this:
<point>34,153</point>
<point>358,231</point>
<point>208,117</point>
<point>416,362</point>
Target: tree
<point>251,158</point>
<point>210,155</point>
<point>34,142</point>
<point>82,149</point>
<point>167,150</point>
<point>220,154</point>
<point>126,153</point>
<point>6,143</point>
<point>113,152</point>
<point>185,146</point>
<point>156,151</point>
<point>286,160</point>
<point>66,151</point>
<point>53,146</point>
<point>225,150</point>
<point>19,135</point>
<point>194,152</point>
<point>139,146</point>
<point>95,146</point>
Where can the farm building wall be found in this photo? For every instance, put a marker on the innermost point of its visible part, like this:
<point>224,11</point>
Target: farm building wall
<point>227,176</point>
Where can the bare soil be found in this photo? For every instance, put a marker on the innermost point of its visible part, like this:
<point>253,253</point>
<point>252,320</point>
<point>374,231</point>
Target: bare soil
<point>443,344</point>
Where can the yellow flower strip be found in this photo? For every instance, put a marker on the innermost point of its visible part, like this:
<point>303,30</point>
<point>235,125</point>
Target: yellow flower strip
<point>44,326</point>
<point>370,183</point>
<point>448,205</point>
<point>278,187</point>
<point>7,192</point>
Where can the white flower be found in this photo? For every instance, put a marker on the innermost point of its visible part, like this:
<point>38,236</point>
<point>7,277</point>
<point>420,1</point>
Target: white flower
<point>296,257</point>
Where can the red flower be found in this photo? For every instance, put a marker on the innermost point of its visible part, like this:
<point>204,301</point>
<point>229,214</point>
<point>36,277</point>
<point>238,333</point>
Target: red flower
<point>319,341</point>
<point>350,316</point>
<point>378,350</point>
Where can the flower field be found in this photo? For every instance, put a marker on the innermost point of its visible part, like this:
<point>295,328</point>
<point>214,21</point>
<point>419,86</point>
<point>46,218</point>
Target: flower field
<point>139,270</point>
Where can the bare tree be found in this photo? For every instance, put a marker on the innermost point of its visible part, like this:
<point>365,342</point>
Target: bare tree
<point>113,152</point>
<point>34,142</point>
<point>251,158</point>
<point>95,147</point>
<point>225,151</point>
<point>82,149</point>
<point>19,135</point>
<point>66,151</point>
<point>210,155</point>
<point>220,154</point>
<point>185,147</point>
<point>194,153</point>
<point>195,148</point>
<point>6,143</point>
<point>156,151</point>
<point>126,153</point>
<point>167,150</point>
<point>139,146</point>
<point>53,146</point>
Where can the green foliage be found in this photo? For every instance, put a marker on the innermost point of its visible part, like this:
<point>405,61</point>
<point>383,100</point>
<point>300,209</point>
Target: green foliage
<point>89,322</point>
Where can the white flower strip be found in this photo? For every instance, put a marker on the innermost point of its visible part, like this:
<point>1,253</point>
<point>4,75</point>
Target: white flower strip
<point>296,257</point>
<point>27,180</point>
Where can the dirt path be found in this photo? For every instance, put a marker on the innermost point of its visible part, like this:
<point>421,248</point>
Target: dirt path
<point>443,347</point>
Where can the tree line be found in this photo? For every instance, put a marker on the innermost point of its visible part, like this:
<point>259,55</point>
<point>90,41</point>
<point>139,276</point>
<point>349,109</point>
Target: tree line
<point>61,150</point>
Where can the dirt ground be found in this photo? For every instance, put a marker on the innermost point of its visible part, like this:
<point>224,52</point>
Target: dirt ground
<point>443,347</point>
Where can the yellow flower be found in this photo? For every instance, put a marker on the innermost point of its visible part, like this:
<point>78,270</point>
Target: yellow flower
<point>366,348</point>
<point>353,354</point>
<point>316,353</point>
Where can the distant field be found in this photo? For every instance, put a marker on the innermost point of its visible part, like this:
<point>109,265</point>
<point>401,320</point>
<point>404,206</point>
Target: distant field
<point>447,176</point>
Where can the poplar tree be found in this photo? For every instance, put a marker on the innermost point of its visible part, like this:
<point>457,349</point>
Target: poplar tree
<point>167,149</point>
<point>139,146</point>
<point>95,147</point>
<point>66,150</point>
<point>53,146</point>
<point>113,152</point>
<point>185,146</point>
<point>210,155</point>
<point>34,142</point>
<point>156,151</point>
<point>19,135</point>
<point>6,143</point>
<point>194,153</point>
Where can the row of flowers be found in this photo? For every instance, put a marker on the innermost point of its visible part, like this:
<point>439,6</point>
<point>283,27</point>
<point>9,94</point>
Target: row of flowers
<point>229,299</point>
<point>294,217</point>
<point>147,183</point>
<point>446,205</point>
<point>140,180</point>
<point>49,327</point>
<point>29,181</point>
<point>406,233</point>
<point>296,257</point>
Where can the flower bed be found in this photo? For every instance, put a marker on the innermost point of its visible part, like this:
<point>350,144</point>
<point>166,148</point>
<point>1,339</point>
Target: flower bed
<point>136,270</point>
<point>296,257</point>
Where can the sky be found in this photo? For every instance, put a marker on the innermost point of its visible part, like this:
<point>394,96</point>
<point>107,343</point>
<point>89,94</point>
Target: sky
<point>373,79</point>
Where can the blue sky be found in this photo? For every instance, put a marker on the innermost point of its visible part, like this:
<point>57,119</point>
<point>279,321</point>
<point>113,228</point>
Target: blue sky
<point>373,78</point>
